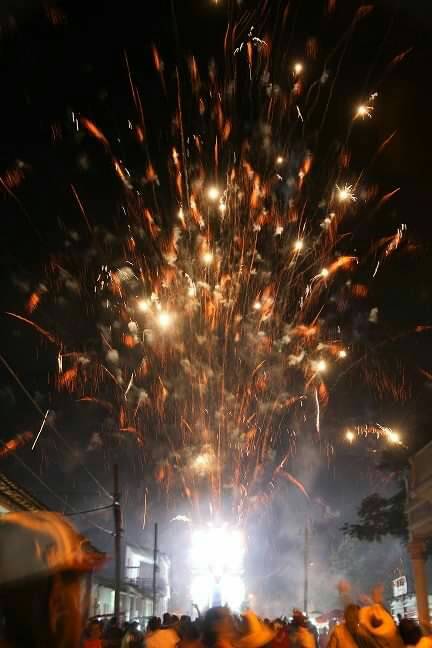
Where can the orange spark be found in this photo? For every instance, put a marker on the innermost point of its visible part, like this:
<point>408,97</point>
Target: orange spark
<point>342,262</point>
<point>129,341</point>
<point>226,130</point>
<point>94,130</point>
<point>387,196</point>
<point>68,379</point>
<point>151,174</point>
<point>306,331</point>
<point>359,290</point>
<point>156,58</point>
<point>33,302</point>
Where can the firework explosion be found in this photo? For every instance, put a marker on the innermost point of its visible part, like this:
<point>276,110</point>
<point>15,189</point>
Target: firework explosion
<point>212,313</point>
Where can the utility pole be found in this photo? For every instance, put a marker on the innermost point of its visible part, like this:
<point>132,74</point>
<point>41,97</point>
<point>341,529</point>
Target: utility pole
<point>117,543</point>
<point>155,566</point>
<point>306,567</point>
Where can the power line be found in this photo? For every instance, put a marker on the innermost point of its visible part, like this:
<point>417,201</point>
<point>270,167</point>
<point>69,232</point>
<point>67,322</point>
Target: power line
<point>52,426</point>
<point>93,510</point>
<point>54,494</point>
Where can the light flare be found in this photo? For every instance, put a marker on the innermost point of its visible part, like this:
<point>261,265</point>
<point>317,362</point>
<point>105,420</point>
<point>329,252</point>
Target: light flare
<point>350,436</point>
<point>345,193</point>
<point>213,193</point>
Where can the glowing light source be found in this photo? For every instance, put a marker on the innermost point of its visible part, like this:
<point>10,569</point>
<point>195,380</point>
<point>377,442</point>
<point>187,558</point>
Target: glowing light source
<point>202,587</point>
<point>203,463</point>
<point>213,193</point>
<point>216,557</point>
<point>257,305</point>
<point>279,160</point>
<point>350,436</point>
<point>364,111</point>
<point>298,68</point>
<point>222,207</point>
<point>345,194</point>
<point>393,437</point>
<point>233,591</point>
<point>342,353</point>
<point>207,257</point>
<point>324,273</point>
<point>164,319</point>
<point>201,460</point>
<point>143,305</point>
<point>298,245</point>
<point>218,548</point>
<point>321,365</point>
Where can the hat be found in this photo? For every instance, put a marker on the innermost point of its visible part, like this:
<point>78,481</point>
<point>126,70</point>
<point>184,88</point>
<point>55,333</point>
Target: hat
<point>39,544</point>
<point>376,621</point>
<point>258,634</point>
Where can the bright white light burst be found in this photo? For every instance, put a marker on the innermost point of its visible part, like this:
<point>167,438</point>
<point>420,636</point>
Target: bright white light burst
<point>393,437</point>
<point>207,257</point>
<point>298,245</point>
<point>217,555</point>
<point>143,305</point>
<point>350,436</point>
<point>364,111</point>
<point>213,193</point>
<point>345,194</point>
<point>164,319</point>
<point>321,365</point>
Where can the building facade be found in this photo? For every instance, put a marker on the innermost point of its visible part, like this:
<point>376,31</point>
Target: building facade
<point>419,510</point>
<point>15,498</point>
<point>136,596</point>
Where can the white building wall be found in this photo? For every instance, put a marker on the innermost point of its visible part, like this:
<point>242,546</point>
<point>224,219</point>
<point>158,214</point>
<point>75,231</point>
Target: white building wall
<point>102,600</point>
<point>406,606</point>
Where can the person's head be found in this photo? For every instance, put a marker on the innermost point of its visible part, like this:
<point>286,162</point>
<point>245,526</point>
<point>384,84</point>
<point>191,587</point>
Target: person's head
<point>299,618</point>
<point>153,624</point>
<point>166,619</point>
<point>188,631</point>
<point>410,632</point>
<point>95,630</point>
<point>44,580</point>
<point>174,619</point>
<point>217,624</point>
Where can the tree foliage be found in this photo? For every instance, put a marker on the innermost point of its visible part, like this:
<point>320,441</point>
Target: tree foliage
<point>379,517</point>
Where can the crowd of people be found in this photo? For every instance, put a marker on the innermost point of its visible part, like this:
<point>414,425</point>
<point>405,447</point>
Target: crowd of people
<point>370,626</point>
<point>44,600</point>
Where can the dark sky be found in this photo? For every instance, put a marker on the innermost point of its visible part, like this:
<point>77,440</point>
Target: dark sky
<point>69,59</point>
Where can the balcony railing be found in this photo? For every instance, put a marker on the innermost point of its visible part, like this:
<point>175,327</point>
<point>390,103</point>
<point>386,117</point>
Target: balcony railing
<point>145,585</point>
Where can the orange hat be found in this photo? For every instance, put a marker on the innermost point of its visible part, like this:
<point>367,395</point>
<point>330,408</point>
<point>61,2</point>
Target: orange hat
<point>39,544</point>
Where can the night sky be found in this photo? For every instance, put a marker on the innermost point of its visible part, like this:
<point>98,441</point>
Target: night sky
<point>66,61</point>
